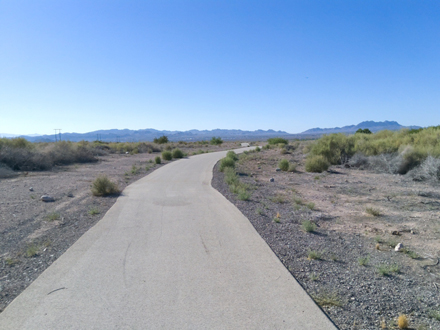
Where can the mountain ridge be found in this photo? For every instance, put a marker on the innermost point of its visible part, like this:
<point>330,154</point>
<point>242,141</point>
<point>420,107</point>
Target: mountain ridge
<point>373,126</point>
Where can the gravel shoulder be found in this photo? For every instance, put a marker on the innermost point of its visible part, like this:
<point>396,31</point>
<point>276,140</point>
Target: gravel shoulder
<point>33,234</point>
<point>348,263</point>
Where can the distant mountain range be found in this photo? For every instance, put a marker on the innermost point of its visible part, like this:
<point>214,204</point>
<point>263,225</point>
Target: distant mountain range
<point>371,125</point>
<point>127,135</point>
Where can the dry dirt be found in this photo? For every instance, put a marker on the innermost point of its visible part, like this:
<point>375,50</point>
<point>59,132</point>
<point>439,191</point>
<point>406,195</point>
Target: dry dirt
<point>33,234</point>
<point>351,243</point>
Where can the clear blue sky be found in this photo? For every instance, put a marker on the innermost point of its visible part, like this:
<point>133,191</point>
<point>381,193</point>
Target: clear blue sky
<point>178,65</point>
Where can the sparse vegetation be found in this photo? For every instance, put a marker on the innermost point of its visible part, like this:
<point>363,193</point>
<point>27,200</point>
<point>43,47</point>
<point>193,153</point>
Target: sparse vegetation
<point>308,226</point>
<point>372,211</point>
<point>310,206</point>
<point>102,186</point>
<point>277,141</point>
<point>52,216</point>
<point>226,162</point>
<point>317,164</point>
<point>31,250</point>
<point>167,155</point>
<point>177,153</point>
<point>231,154</point>
<point>235,185</point>
<point>216,141</point>
<point>363,261</point>
<point>283,165</point>
<point>386,270</point>
<point>314,277</point>
<point>292,167</point>
<point>162,140</point>
<point>314,255</point>
<point>402,322</point>
<point>397,152</point>
<point>434,314</point>
<point>93,211</point>
<point>328,299</point>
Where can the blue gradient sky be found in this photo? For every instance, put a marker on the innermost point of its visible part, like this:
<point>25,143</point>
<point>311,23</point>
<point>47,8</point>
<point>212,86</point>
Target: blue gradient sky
<point>285,65</point>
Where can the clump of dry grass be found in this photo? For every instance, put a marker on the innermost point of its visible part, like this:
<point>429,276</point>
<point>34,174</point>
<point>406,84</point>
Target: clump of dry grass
<point>372,211</point>
<point>402,322</point>
<point>102,186</point>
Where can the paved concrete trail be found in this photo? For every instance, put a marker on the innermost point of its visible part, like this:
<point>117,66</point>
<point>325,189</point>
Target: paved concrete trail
<point>172,253</point>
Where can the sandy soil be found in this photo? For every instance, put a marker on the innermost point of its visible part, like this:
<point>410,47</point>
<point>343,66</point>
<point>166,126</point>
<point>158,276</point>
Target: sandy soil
<point>352,243</point>
<point>33,234</point>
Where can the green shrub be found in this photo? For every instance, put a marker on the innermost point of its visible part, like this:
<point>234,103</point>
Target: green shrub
<point>335,148</point>
<point>177,153</point>
<point>231,154</point>
<point>157,160</point>
<point>292,168</point>
<point>102,186</point>
<point>52,216</point>
<point>163,139</point>
<point>317,164</point>
<point>257,149</point>
<point>308,226</point>
<point>283,164</point>
<point>372,211</point>
<point>167,155</point>
<point>277,141</point>
<point>386,270</point>
<point>243,195</point>
<point>93,211</point>
<point>216,141</point>
<point>314,255</point>
<point>226,162</point>
<point>363,261</point>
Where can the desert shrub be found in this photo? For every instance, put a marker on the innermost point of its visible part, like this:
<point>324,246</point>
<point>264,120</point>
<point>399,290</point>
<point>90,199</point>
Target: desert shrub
<point>157,160</point>
<point>22,155</point>
<point>308,226</point>
<point>216,141</point>
<point>429,170</point>
<point>230,176</point>
<point>257,149</point>
<point>226,162</point>
<point>167,155</point>
<point>277,140</point>
<point>231,154</point>
<point>6,171</point>
<point>292,168</point>
<point>335,148</point>
<point>177,153</point>
<point>162,140</point>
<point>372,211</point>
<point>402,322</point>
<point>102,186</point>
<point>317,164</point>
<point>283,164</point>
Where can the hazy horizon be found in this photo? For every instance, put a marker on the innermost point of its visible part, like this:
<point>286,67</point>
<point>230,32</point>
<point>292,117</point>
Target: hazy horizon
<point>82,66</point>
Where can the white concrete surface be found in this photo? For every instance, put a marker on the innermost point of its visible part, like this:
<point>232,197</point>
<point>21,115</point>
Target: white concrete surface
<point>172,253</point>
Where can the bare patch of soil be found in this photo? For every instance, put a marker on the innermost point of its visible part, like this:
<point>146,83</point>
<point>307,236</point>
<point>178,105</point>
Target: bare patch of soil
<point>348,263</point>
<point>33,234</point>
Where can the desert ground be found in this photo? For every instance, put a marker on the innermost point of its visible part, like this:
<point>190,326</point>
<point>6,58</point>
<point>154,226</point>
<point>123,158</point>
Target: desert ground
<point>33,233</point>
<point>348,262</point>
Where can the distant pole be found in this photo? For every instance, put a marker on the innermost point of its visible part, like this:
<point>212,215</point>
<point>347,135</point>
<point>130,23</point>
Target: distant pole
<point>57,134</point>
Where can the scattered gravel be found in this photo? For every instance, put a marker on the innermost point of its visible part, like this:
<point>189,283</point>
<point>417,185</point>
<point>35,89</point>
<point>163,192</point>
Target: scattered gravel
<point>346,278</point>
